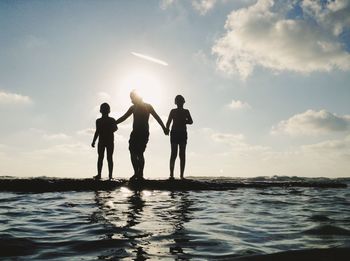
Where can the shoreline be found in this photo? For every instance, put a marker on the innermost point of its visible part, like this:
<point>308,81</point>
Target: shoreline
<point>41,184</point>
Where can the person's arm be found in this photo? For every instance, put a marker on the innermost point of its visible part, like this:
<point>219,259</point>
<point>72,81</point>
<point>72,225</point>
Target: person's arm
<point>95,136</point>
<point>125,116</point>
<point>158,119</point>
<point>115,127</point>
<point>189,118</point>
<point>170,118</point>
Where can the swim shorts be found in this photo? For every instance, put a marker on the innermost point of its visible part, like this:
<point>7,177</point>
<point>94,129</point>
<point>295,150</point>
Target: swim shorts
<point>178,136</point>
<point>138,141</point>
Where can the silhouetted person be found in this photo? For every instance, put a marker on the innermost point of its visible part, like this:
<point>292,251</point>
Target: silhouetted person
<point>105,128</point>
<point>140,132</point>
<point>178,135</point>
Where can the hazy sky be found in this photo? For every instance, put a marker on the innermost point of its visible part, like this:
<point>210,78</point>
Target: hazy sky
<point>266,82</point>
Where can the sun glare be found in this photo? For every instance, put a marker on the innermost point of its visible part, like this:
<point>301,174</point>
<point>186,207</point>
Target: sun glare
<point>146,84</point>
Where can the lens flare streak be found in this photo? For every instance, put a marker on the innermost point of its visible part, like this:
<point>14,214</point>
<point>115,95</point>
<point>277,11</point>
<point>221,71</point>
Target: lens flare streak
<point>149,58</point>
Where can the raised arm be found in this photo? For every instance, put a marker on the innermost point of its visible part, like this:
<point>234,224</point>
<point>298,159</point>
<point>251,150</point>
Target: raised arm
<point>125,116</point>
<point>97,133</point>
<point>158,119</point>
<point>189,118</point>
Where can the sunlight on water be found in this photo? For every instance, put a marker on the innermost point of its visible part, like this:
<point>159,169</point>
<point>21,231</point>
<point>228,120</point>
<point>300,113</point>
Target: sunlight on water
<point>172,225</point>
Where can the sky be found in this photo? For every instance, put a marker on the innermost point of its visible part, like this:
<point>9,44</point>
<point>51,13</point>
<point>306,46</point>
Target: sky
<point>266,82</point>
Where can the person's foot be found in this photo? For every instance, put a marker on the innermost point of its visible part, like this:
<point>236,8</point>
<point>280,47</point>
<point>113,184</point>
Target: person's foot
<point>133,178</point>
<point>171,178</point>
<point>140,178</point>
<point>110,178</point>
<point>97,177</point>
<point>182,177</point>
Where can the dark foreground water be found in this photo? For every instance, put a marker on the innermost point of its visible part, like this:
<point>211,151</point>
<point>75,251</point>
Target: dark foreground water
<point>171,225</point>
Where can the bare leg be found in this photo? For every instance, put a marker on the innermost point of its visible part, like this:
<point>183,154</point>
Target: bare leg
<point>173,158</point>
<point>134,162</point>
<point>101,152</point>
<point>141,162</point>
<point>182,155</point>
<point>110,150</point>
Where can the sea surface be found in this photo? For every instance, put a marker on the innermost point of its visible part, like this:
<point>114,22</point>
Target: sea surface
<point>165,225</point>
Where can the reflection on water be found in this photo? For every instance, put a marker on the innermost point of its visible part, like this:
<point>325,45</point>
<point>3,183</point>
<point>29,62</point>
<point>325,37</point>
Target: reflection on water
<point>144,225</point>
<point>163,225</point>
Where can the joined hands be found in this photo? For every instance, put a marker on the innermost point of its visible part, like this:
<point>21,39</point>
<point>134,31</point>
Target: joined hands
<point>166,131</point>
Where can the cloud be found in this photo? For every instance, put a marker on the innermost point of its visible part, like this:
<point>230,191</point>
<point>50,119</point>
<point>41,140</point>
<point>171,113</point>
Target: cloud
<point>238,105</point>
<point>275,35</point>
<point>201,57</point>
<point>36,134</point>
<point>313,122</point>
<point>203,6</point>
<point>56,137</point>
<point>239,144</point>
<point>331,148</point>
<point>86,132</point>
<point>103,96</point>
<point>7,98</point>
<point>229,138</point>
<point>164,4</point>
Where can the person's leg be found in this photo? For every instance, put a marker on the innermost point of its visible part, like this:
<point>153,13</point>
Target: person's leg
<point>110,150</point>
<point>182,155</point>
<point>141,163</point>
<point>173,158</point>
<point>101,152</point>
<point>134,162</point>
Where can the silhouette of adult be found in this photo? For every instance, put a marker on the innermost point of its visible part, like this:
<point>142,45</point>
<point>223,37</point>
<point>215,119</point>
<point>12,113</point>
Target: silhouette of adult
<point>105,128</point>
<point>180,117</point>
<point>140,132</point>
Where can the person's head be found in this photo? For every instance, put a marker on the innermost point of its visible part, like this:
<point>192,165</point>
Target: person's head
<point>135,97</point>
<point>179,100</point>
<point>105,109</point>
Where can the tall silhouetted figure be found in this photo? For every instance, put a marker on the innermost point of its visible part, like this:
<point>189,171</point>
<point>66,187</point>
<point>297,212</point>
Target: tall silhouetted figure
<point>140,132</point>
<point>105,128</point>
<point>178,135</point>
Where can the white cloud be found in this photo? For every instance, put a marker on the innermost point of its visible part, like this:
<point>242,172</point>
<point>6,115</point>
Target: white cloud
<point>328,158</point>
<point>86,132</point>
<point>8,98</point>
<point>203,6</point>
<point>265,35</point>
<point>56,137</point>
<point>64,150</point>
<point>228,137</point>
<point>331,148</point>
<point>238,105</point>
<point>313,122</point>
<point>238,143</point>
<point>201,57</point>
<point>104,96</point>
<point>164,4</point>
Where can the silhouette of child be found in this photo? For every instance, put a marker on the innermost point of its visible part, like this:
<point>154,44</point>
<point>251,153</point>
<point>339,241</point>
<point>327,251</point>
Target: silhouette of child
<point>105,128</point>
<point>178,135</point>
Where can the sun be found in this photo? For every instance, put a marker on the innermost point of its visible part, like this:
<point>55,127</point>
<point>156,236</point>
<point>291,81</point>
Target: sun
<point>147,85</point>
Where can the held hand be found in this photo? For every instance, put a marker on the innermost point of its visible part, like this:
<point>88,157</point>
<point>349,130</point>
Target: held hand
<point>115,128</point>
<point>166,131</point>
<point>93,144</point>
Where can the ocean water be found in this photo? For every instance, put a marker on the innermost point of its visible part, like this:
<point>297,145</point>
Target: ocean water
<point>164,225</point>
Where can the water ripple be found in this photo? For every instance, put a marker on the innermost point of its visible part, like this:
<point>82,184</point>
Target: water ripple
<point>171,225</point>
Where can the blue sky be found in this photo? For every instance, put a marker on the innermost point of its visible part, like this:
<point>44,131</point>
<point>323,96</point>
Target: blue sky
<point>266,83</point>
